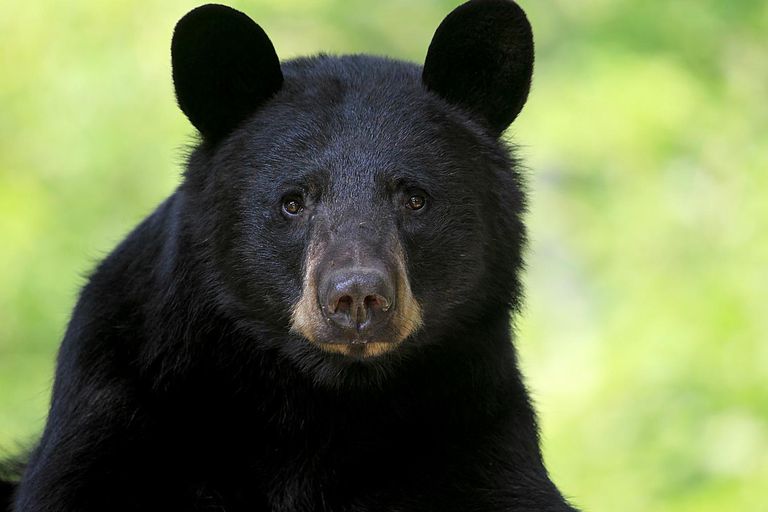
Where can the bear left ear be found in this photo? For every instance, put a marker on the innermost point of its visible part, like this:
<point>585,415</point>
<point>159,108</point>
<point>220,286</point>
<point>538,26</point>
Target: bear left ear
<point>224,68</point>
<point>481,58</point>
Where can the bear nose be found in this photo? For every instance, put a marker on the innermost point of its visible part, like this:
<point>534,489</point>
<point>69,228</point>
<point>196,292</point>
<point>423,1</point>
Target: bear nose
<point>357,299</point>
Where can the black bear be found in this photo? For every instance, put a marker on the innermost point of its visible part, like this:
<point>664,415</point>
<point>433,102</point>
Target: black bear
<point>318,318</point>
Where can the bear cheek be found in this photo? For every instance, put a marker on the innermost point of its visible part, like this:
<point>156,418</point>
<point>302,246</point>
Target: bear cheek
<point>448,278</point>
<point>306,317</point>
<point>409,316</point>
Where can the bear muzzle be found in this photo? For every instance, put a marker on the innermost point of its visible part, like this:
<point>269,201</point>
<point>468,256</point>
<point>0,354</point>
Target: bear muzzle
<point>356,299</point>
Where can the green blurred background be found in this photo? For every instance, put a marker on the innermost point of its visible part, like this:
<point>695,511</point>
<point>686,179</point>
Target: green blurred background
<point>645,335</point>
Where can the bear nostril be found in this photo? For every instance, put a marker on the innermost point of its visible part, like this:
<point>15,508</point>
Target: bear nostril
<point>376,303</point>
<point>343,305</point>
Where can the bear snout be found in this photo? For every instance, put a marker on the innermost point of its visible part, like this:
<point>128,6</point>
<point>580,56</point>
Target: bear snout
<point>356,298</point>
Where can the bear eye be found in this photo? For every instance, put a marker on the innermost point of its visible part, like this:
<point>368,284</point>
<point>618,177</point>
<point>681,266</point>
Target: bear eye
<point>292,206</point>
<point>416,202</point>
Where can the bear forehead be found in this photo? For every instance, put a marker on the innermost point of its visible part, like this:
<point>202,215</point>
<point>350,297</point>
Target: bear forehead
<point>366,98</point>
<point>333,78</point>
<point>355,113</point>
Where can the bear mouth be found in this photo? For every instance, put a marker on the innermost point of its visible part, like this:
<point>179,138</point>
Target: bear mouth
<point>359,350</point>
<point>373,341</point>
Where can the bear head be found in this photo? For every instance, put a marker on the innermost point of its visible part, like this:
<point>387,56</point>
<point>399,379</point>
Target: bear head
<point>356,206</point>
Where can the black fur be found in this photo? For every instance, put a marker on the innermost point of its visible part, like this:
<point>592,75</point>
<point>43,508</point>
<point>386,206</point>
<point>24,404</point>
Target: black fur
<point>482,58</point>
<point>224,67</point>
<point>7,488</point>
<point>179,385</point>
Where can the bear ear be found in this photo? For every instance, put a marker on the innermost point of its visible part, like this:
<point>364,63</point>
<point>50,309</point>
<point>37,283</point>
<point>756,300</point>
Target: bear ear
<point>224,68</point>
<point>481,58</point>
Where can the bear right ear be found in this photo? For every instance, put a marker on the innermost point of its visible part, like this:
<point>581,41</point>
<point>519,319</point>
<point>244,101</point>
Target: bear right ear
<point>481,58</point>
<point>224,68</point>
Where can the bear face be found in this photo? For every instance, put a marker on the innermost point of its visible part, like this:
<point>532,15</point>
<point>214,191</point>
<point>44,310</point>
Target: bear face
<point>358,201</point>
<point>353,166</point>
